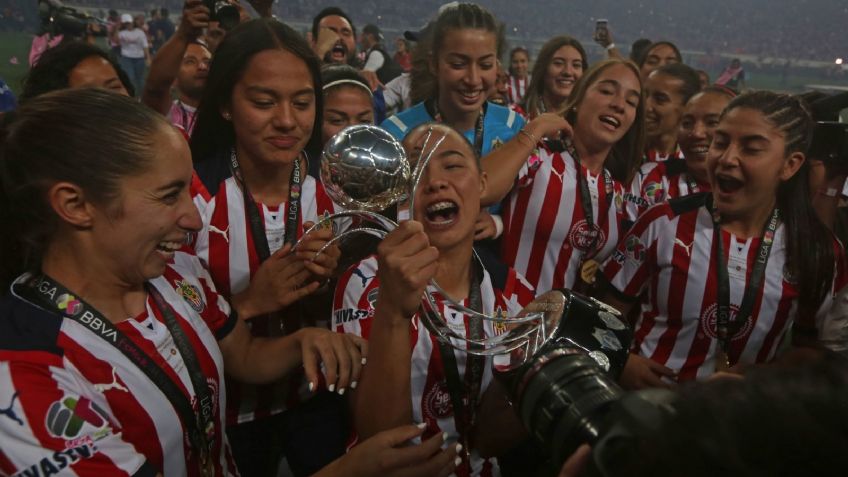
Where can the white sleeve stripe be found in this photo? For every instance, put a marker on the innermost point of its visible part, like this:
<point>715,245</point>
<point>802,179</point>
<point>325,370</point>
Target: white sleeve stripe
<point>510,119</point>
<point>400,124</point>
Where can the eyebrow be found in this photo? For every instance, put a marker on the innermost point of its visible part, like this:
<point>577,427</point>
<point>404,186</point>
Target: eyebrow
<point>466,57</point>
<point>271,92</point>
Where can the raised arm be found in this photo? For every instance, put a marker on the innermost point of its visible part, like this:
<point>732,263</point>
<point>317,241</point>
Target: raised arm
<point>503,164</point>
<point>166,64</point>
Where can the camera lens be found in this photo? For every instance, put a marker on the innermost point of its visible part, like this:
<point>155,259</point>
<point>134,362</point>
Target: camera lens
<point>564,400</point>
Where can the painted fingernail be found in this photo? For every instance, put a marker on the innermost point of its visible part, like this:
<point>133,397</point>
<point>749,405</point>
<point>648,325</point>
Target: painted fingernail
<point>364,360</point>
<point>458,448</point>
<point>457,461</point>
<point>332,387</point>
<point>444,436</point>
<point>311,386</point>
<point>421,425</point>
<point>341,391</point>
<point>354,384</point>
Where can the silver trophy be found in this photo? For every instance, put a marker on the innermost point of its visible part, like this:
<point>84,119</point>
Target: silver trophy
<point>365,169</point>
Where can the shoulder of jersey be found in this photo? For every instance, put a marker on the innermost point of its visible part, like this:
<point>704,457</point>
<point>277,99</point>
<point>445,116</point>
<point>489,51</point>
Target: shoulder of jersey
<point>687,203</point>
<point>26,327</point>
<point>212,171</point>
<point>400,124</point>
<point>497,114</point>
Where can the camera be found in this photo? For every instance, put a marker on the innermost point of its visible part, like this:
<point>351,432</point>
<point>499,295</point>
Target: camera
<point>563,382</point>
<point>59,19</point>
<point>830,143</point>
<point>226,14</point>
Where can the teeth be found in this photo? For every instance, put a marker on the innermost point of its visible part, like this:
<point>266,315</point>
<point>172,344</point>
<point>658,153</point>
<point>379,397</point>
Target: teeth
<point>441,206</point>
<point>169,246</point>
<point>610,120</point>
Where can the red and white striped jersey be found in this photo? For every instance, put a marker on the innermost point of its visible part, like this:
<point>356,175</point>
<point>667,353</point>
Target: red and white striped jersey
<point>546,236</point>
<point>225,244</point>
<point>72,404</point>
<point>658,182</point>
<point>652,155</point>
<point>669,254</point>
<point>502,291</point>
<point>516,89</point>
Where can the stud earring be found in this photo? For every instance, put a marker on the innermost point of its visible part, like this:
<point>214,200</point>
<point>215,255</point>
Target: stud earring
<point>227,116</point>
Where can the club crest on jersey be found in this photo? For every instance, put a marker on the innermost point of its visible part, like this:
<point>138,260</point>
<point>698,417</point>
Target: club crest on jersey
<point>70,417</point>
<point>582,236</point>
<point>654,192</point>
<point>191,294</point>
<point>437,401</point>
<point>634,249</point>
<point>69,304</point>
<point>496,143</point>
<point>499,326</point>
<point>372,297</point>
<point>709,318</point>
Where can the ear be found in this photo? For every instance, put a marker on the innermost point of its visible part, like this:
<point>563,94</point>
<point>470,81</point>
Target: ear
<point>69,202</point>
<point>791,165</point>
<point>484,182</point>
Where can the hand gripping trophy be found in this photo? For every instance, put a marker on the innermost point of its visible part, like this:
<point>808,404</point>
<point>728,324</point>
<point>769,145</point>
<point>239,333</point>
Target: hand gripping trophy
<point>561,354</point>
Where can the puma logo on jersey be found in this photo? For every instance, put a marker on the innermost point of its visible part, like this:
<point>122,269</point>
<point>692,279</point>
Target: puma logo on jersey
<point>102,388</point>
<point>558,174</point>
<point>688,248</point>
<point>223,233</point>
<point>358,273</point>
<point>10,412</point>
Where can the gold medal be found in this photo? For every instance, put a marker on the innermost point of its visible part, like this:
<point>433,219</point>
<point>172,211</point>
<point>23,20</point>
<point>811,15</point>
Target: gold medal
<point>588,271</point>
<point>207,467</point>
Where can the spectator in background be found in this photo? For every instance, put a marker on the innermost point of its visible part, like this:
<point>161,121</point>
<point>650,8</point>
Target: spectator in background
<point>114,27</point>
<point>161,29</point>
<point>658,54</point>
<point>135,51</point>
<point>560,64</point>
<point>637,49</point>
<point>500,93</point>
<point>402,55</point>
<point>377,60</point>
<point>733,76</point>
<point>334,36</point>
<point>519,78</point>
<point>182,63</point>
<point>666,92</point>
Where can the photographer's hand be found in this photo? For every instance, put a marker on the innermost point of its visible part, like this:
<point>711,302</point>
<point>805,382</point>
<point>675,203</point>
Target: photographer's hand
<point>641,372</point>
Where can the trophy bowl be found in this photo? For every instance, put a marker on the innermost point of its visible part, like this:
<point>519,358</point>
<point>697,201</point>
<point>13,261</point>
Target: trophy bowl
<point>364,168</point>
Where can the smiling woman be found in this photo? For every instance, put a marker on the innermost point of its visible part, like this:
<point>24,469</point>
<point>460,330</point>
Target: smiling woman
<point>560,64</point>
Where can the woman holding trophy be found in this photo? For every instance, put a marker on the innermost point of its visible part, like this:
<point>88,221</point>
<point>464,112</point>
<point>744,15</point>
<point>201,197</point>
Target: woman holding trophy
<point>411,375</point>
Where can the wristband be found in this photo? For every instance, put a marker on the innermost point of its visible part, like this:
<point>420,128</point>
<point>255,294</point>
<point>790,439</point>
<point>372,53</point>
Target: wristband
<point>610,46</point>
<point>530,136</point>
<point>498,225</point>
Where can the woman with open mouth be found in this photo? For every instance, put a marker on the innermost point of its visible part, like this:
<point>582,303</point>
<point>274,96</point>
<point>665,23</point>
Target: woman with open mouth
<point>729,273</point>
<point>661,181</point>
<point>564,197</point>
<point>464,44</point>
<point>411,375</point>
<point>560,64</point>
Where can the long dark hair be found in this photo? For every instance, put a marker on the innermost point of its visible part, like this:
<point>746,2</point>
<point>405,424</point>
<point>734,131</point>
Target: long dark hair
<point>212,133</point>
<point>809,244</point>
<point>87,136</point>
<point>647,51</point>
<point>626,154</point>
<point>537,78</point>
<point>460,16</point>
